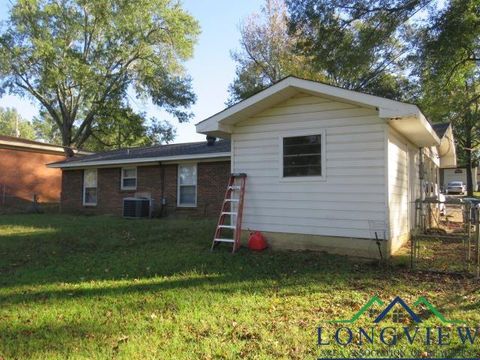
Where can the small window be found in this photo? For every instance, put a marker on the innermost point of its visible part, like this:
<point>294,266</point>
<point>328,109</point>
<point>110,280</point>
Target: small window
<point>187,185</point>
<point>90,187</point>
<point>129,179</point>
<point>302,156</point>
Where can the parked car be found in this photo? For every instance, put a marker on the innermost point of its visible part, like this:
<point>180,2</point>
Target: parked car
<point>456,187</point>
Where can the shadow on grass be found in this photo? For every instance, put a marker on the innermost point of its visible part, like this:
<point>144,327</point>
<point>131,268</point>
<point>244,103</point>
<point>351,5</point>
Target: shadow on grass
<point>45,340</point>
<point>53,259</point>
<point>83,249</point>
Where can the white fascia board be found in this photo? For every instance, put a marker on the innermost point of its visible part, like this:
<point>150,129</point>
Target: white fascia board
<point>213,123</point>
<point>355,97</point>
<point>138,160</point>
<point>222,122</point>
<point>429,127</point>
<point>416,129</point>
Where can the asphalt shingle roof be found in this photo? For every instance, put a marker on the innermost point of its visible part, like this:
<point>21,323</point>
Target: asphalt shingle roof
<point>440,128</point>
<point>156,151</point>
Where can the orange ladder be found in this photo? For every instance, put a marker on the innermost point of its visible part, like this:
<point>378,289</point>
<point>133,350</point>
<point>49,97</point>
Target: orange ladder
<point>236,185</point>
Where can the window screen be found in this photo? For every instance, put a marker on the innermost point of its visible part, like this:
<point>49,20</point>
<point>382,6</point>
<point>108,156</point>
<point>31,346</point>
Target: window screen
<point>90,187</point>
<point>187,185</point>
<point>129,178</point>
<point>302,156</point>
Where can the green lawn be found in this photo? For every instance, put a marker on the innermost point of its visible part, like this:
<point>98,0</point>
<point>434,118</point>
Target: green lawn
<point>102,287</point>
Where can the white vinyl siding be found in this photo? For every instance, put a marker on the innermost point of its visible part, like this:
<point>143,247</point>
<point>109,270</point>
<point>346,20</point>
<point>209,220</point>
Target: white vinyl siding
<point>398,187</point>
<point>404,186</point>
<point>353,189</point>
<point>413,181</point>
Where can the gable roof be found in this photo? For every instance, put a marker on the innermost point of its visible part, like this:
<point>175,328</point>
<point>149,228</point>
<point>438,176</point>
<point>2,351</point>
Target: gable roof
<point>440,129</point>
<point>12,142</point>
<point>403,117</point>
<point>447,149</point>
<point>148,154</point>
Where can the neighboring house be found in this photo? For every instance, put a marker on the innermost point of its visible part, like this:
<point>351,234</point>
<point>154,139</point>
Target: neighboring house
<point>451,172</point>
<point>457,174</point>
<point>185,178</point>
<point>24,174</point>
<point>329,167</point>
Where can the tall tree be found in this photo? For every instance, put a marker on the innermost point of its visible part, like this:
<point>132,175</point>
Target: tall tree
<point>45,129</point>
<point>114,130</point>
<point>266,52</point>
<point>356,44</point>
<point>449,58</point>
<point>13,124</point>
<point>77,58</point>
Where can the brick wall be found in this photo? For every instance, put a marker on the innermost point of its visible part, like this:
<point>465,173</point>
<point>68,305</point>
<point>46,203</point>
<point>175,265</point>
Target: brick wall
<point>212,178</point>
<point>24,173</point>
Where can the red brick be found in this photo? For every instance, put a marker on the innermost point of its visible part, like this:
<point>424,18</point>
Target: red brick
<point>24,173</point>
<point>212,178</point>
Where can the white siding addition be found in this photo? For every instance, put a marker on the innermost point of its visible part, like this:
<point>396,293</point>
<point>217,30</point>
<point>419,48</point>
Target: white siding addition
<point>351,190</point>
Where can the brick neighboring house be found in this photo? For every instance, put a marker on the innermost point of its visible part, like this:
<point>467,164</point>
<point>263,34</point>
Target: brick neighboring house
<point>24,174</point>
<point>97,184</point>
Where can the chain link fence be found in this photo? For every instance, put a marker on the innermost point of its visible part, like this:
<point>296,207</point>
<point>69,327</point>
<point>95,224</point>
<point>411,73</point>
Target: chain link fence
<point>11,203</point>
<point>447,236</point>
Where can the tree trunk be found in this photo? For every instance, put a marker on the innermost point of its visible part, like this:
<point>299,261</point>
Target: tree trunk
<point>469,173</point>
<point>68,152</point>
<point>468,153</point>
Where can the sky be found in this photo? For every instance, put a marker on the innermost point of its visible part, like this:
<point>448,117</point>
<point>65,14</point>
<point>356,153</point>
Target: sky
<point>211,67</point>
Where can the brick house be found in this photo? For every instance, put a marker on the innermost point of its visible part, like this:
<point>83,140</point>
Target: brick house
<point>187,179</point>
<point>24,174</point>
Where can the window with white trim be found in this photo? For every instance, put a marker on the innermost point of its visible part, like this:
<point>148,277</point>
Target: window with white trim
<point>302,156</point>
<point>129,178</point>
<point>90,187</point>
<point>187,185</point>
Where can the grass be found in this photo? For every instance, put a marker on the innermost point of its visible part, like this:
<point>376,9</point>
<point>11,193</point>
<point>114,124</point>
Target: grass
<point>103,287</point>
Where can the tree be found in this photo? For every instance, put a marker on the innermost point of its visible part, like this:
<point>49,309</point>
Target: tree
<point>120,127</point>
<point>116,128</point>
<point>357,44</point>
<point>45,129</point>
<point>266,54</point>
<point>77,58</point>
<point>12,124</point>
<point>449,56</point>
